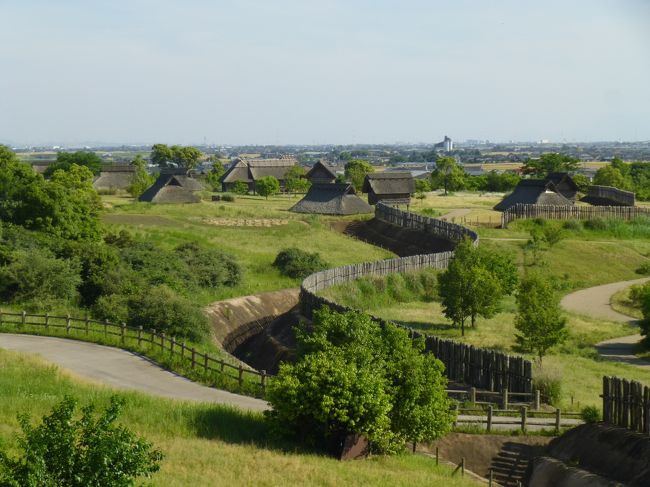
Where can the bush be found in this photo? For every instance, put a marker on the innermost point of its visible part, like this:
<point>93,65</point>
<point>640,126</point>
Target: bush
<point>572,225</point>
<point>240,187</point>
<point>590,414</point>
<point>161,309</point>
<point>38,280</point>
<point>80,452</point>
<point>228,197</point>
<point>548,382</point>
<point>211,268</point>
<point>297,263</point>
<point>596,224</point>
<point>644,268</point>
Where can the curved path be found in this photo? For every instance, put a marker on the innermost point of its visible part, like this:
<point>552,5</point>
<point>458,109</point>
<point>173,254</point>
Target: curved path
<point>595,302</point>
<point>124,370</point>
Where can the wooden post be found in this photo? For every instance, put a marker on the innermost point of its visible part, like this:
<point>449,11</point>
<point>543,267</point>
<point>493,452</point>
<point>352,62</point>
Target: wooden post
<point>67,324</point>
<point>86,324</point>
<point>122,331</point>
<point>23,318</point>
<point>223,365</point>
<point>462,467</point>
<point>414,446</point>
<point>504,398</point>
<point>263,380</point>
<point>172,342</point>
<point>193,358</point>
<point>524,417</point>
<point>490,476</point>
<point>162,342</point>
<point>153,335</point>
<point>472,395</point>
<point>182,349</point>
<point>538,399</point>
<point>139,335</point>
<point>105,328</point>
<point>558,418</point>
<point>47,321</point>
<point>437,456</point>
<point>241,375</point>
<point>1,316</point>
<point>205,362</point>
<point>489,418</point>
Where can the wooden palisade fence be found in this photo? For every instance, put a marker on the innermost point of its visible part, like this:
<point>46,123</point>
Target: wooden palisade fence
<point>549,212</point>
<point>485,369</point>
<point>201,364</point>
<point>626,403</point>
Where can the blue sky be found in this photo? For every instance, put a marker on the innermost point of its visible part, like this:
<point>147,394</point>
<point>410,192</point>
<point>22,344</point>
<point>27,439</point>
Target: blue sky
<point>353,71</point>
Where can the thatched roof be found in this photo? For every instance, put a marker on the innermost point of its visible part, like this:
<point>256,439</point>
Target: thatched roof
<point>168,188</point>
<point>332,199</point>
<point>558,178</point>
<point>387,183</point>
<point>533,192</point>
<point>320,172</point>
<point>248,170</point>
<point>114,177</point>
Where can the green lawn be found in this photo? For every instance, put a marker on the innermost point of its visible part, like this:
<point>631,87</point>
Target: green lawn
<point>254,247</point>
<point>203,444</point>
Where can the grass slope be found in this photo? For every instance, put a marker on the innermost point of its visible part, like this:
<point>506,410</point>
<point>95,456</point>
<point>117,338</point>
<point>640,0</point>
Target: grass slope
<point>203,444</point>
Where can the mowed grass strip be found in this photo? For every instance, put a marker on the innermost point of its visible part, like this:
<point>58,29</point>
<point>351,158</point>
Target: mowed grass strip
<point>203,444</point>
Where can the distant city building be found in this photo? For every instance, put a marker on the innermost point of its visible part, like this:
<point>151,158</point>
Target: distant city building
<point>446,145</point>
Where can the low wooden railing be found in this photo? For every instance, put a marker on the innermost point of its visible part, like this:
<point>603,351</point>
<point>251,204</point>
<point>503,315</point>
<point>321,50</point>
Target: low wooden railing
<point>201,364</point>
<point>549,212</point>
<point>525,418</point>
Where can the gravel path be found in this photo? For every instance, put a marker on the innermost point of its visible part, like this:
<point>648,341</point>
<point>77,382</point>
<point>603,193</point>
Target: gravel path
<point>123,370</point>
<point>594,302</point>
<point>455,214</point>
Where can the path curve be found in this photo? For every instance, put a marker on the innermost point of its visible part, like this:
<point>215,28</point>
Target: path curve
<point>457,213</point>
<point>595,302</point>
<point>122,369</point>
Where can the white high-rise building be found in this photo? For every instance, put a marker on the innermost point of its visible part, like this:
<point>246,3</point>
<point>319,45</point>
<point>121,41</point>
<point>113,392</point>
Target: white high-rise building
<point>448,144</point>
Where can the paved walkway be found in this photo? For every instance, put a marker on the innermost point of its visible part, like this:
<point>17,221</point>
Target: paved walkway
<point>123,370</point>
<point>595,302</point>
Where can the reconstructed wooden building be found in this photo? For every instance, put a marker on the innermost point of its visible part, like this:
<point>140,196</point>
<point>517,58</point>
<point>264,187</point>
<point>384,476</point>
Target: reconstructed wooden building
<point>332,199</point>
<point>118,176</point>
<point>392,188</point>
<point>564,184</point>
<point>321,173</point>
<point>250,170</point>
<point>533,192</point>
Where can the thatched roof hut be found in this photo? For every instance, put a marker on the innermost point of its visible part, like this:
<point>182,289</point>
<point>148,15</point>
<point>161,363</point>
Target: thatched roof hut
<point>117,176</point>
<point>169,188</point>
<point>250,170</point>
<point>533,192</point>
<point>564,184</point>
<point>393,188</point>
<point>321,173</point>
<point>332,199</point>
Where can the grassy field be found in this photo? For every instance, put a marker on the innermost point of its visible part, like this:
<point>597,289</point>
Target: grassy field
<point>622,303</point>
<point>254,246</point>
<point>203,444</point>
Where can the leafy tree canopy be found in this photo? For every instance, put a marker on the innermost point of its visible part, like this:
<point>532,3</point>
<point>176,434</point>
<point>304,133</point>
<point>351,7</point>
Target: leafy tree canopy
<point>183,157</point>
<point>354,376</point>
<point>356,170</point>
<point>448,174</point>
<point>65,160</point>
<point>267,186</point>
<point>548,163</point>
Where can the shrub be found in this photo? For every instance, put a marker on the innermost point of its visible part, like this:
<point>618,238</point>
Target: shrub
<point>548,382</point>
<point>161,309</point>
<point>644,268</point>
<point>80,452</point>
<point>112,307</point>
<point>267,186</point>
<point>211,268</point>
<point>590,414</point>
<point>38,280</point>
<point>572,225</point>
<point>240,187</point>
<point>596,224</point>
<point>297,263</point>
<point>228,197</point>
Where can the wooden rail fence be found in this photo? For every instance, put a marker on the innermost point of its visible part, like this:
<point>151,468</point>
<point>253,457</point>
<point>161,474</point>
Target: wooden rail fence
<point>138,338</point>
<point>485,369</point>
<point>549,212</point>
<point>615,196</point>
<point>626,403</point>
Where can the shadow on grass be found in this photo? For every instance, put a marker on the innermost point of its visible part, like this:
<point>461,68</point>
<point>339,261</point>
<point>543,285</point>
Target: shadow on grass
<point>234,426</point>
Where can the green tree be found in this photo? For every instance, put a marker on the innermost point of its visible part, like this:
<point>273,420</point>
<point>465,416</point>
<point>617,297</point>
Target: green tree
<point>216,172</point>
<point>611,176</point>
<point>240,187</point>
<point>422,186</point>
<point>295,181</point>
<point>582,182</point>
<point>354,376</point>
<point>548,163</point>
<point>467,288</point>
<point>539,319</point>
<point>65,160</point>
<point>297,263</point>
<point>267,186</point>
<point>356,170</point>
<point>85,452</point>
<point>161,155</point>
<point>141,178</point>
<point>448,174</point>
<point>186,157</point>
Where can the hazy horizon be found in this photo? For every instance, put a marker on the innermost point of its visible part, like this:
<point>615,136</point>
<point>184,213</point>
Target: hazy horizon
<point>289,72</point>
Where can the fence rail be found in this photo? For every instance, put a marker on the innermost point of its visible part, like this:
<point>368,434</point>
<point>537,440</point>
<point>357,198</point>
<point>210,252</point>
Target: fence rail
<point>138,338</point>
<point>626,403</point>
<point>549,212</point>
<point>597,193</point>
<point>485,369</point>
